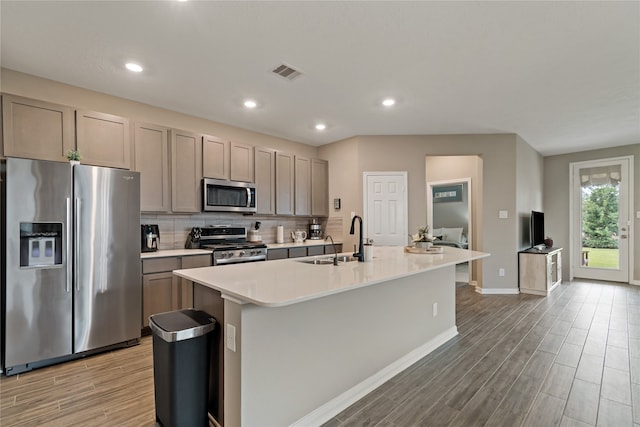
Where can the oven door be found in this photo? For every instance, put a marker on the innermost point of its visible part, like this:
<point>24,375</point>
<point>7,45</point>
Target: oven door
<point>228,196</point>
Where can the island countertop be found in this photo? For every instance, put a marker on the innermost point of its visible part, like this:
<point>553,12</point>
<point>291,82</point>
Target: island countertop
<point>290,281</point>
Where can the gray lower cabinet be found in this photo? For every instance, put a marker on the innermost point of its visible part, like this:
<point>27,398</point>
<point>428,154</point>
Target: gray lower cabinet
<point>162,290</point>
<point>297,252</point>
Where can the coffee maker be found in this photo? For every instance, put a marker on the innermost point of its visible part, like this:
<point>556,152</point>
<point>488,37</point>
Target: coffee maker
<point>149,237</point>
<point>315,230</point>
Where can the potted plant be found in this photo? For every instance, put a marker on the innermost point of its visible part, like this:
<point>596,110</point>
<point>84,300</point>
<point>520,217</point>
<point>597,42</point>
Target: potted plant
<point>548,242</point>
<point>422,239</point>
<point>74,157</point>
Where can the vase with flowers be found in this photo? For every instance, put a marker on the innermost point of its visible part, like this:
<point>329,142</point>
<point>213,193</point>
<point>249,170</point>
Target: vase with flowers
<point>422,239</point>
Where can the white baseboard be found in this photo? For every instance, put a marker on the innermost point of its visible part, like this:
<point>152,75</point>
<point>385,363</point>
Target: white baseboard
<point>498,291</point>
<point>634,282</point>
<point>341,402</point>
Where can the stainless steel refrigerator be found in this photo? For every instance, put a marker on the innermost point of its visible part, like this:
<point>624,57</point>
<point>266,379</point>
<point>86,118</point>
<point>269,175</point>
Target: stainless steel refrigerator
<point>71,276</point>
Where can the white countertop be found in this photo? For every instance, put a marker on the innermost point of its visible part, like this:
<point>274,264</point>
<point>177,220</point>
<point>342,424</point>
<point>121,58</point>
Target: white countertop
<point>289,281</point>
<point>174,252</point>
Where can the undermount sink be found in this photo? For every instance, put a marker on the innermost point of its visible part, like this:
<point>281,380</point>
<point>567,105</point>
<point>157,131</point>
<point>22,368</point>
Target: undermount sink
<point>327,261</point>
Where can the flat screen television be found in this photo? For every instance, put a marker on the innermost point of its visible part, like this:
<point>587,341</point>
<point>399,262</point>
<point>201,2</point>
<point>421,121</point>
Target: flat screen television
<point>537,230</point>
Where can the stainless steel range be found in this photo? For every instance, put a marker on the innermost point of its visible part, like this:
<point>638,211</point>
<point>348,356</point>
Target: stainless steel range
<point>230,245</point>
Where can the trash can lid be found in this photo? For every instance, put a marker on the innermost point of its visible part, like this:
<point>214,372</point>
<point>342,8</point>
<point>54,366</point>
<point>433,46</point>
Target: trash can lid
<point>181,324</point>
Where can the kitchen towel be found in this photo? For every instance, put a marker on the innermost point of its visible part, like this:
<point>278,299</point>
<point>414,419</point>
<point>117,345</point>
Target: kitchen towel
<point>280,234</point>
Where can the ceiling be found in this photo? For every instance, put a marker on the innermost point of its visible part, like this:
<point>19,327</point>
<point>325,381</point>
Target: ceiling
<point>565,76</point>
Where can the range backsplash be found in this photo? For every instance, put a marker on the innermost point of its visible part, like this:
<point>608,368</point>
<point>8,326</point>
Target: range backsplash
<point>175,228</point>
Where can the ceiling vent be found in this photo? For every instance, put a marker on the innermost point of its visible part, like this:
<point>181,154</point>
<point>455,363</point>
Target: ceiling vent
<point>286,72</point>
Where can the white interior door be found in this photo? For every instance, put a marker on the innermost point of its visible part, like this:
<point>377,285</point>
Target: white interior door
<point>385,204</point>
<point>601,219</point>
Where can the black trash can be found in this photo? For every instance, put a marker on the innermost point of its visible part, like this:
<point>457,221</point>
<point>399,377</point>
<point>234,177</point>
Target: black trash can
<point>181,358</point>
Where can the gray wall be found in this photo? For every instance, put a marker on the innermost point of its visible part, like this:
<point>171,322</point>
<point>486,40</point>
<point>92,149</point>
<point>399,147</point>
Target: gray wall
<point>557,193</point>
<point>529,188</point>
<point>407,153</point>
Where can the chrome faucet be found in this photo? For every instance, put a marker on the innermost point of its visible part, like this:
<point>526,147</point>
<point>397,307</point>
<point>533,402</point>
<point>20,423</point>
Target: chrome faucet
<point>360,253</point>
<point>335,252</point>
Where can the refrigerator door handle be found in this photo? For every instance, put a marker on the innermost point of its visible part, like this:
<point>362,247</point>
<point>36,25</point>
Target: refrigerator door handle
<point>69,281</point>
<point>75,243</point>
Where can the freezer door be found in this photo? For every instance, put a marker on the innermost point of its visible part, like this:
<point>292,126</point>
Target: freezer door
<point>38,299</point>
<point>107,285</point>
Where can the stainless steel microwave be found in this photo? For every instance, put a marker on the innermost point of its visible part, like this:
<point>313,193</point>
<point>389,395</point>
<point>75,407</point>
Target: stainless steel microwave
<point>219,195</point>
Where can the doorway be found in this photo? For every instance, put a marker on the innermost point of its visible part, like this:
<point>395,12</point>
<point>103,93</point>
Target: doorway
<point>386,208</point>
<point>449,213</point>
<point>600,219</point>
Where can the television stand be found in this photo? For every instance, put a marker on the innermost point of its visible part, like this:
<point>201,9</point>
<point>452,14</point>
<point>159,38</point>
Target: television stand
<point>540,270</point>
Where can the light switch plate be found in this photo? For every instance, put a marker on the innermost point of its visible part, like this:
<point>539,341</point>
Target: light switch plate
<point>503,214</point>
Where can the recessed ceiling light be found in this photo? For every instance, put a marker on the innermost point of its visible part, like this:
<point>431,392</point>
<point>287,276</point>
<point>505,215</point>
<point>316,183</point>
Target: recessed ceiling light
<point>249,103</point>
<point>133,67</point>
<point>321,126</point>
<point>388,102</point>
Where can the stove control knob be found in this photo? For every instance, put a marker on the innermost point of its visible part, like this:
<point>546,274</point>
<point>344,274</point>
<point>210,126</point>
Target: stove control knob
<point>223,254</point>
<point>252,253</point>
<point>241,253</point>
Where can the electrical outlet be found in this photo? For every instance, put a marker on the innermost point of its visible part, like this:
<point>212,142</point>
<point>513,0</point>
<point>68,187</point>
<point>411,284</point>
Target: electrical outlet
<point>435,309</point>
<point>501,272</point>
<point>231,337</point>
<point>503,214</point>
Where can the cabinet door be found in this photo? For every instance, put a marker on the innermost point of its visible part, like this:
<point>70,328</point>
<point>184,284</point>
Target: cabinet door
<point>35,129</point>
<point>280,253</point>
<point>241,162</point>
<point>315,250</point>
<point>151,159</point>
<point>215,157</point>
<point>319,187</point>
<point>186,171</point>
<point>302,182</point>
<point>159,294</point>
<point>186,286</point>
<point>103,139</point>
<point>265,180</point>
<point>284,183</point>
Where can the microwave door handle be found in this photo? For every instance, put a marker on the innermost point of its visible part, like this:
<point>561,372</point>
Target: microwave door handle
<point>248,197</point>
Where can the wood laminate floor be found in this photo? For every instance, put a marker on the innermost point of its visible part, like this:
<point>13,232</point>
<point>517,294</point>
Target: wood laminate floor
<point>571,359</point>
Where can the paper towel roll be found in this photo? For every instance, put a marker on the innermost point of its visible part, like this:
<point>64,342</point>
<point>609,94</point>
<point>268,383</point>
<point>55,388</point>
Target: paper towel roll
<point>368,252</point>
<point>280,234</point>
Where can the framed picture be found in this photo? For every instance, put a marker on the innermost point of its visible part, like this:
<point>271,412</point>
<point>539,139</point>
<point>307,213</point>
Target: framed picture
<point>447,193</point>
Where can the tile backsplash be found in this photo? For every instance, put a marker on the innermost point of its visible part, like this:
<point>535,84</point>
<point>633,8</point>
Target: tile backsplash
<point>174,228</point>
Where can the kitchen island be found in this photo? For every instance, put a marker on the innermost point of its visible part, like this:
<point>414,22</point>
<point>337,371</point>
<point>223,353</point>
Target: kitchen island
<point>304,341</point>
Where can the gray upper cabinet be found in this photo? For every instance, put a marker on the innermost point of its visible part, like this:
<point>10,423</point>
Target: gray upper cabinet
<point>265,180</point>
<point>241,162</point>
<point>103,139</point>
<point>186,171</point>
<point>284,183</point>
<point>319,187</point>
<point>151,159</point>
<point>302,186</point>
<point>36,129</point>
<point>216,157</point>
